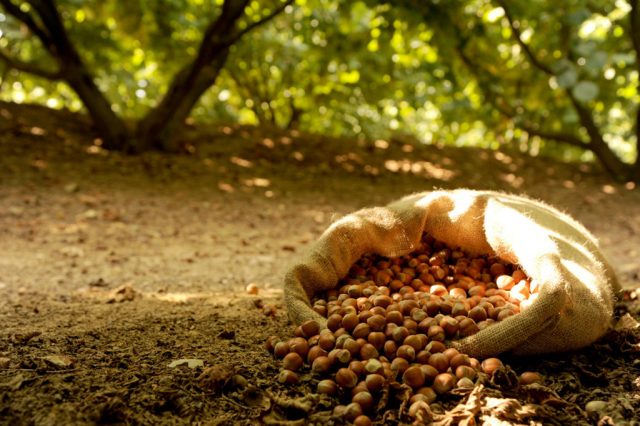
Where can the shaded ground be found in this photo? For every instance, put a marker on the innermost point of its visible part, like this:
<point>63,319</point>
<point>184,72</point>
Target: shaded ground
<point>113,267</point>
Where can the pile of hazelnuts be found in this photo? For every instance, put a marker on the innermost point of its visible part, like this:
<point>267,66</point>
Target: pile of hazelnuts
<point>390,322</point>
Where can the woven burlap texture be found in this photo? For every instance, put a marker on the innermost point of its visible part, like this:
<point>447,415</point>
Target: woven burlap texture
<point>578,286</point>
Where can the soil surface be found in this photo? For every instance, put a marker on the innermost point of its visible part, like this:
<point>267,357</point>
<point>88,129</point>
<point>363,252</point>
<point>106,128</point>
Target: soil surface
<point>122,278</point>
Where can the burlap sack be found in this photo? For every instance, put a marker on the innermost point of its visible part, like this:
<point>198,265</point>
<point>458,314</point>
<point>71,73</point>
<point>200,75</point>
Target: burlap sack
<point>578,286</point>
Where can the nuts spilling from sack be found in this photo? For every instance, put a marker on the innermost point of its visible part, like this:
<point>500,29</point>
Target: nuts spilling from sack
<point>390,323</point>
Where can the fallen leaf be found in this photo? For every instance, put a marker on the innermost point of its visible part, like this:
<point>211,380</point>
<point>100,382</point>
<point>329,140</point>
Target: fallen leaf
<point>59,361</point>
<point>124,293</point>
<point>15,383</point>
<point>4,362</point>
<point>627,322</point>
<point>189,362</point>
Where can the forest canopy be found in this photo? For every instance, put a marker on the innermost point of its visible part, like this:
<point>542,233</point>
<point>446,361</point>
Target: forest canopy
<point>543,78</point>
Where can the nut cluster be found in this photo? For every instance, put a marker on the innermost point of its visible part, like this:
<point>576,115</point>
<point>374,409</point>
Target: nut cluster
<point>390,321</point>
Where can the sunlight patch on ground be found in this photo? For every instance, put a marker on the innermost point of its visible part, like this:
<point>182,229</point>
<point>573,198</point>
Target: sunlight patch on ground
<point>513,180</point>
<point>241,162</point>
<point>419,168</point>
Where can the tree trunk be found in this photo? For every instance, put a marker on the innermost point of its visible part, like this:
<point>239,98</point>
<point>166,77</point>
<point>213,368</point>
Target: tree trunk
<point>157,128</point>
<point>109,126</point>
<point>617,168</point>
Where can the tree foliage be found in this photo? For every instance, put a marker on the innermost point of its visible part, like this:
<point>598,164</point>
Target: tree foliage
<point>559,80</point>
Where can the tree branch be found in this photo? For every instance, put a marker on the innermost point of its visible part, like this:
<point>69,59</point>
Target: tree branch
<point>235,37</point>
<point>634,25</point>
<point>28,67</point>
<point>565,138</point>
<point>507,110</point>
<point>515,28</point>
<point>28,20</point>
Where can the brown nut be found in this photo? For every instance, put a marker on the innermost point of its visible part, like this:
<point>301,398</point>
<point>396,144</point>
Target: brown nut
<point>529,377</point>
<point>407,352</point>
<point>439,361</point>
<point>292,361</point>
<point>375,382</point>
<point>300,346</point>
<point>327,387</point>
<point>310,328</point>
<point>321,365</point>
<point>414,377</point>
<point>346,378</point>
<point>465,371</point>
<point>444,382</point>
<point>288,377</point>
<point>364,399</point>
<point>490,365</point>
<point>281,349</point>
<point>353,411</point>
<point>362,420</point>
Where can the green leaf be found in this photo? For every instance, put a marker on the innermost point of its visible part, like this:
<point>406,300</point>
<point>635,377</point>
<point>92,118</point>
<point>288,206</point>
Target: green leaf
<point>568,78</point>
<point>585,91</point>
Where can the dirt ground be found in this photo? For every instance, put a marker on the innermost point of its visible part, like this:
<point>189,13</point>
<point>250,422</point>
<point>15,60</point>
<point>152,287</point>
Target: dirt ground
<point>123,278</point>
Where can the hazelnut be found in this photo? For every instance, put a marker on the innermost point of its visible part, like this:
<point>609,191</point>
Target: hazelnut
<point>334,322</point>
<point>436,333</point>
<point>281,349</point>
<point>315,352</point>
<point>435,347</point>
<point>407,352</point>
<point>449,325</point>
<point>349,321</point>
<point>361,331</point>
<point>362,420</point>
<point>465,383</point>
<point>443,383</point>
<point>414,377</point>
<point>310,328</point>
<point>327,387</point>
<point>394,317</point>
<point>300,346</point>
<point>399,334</point>
<point>399,365</point>
<point>349,344</point>
<point>415,341</point>
<point>292,361</point>
<point>468,327</point>
<point>390,348</point>
<point>490,365</point>
<point>375,382</point>
<point>321,365</point>
<point>458,360</point>
<point>422,357</point>
<point>364,399</point>
<point>360,387</point>
<point>429,372</point>
<point>357,367</point>
<point>428,393</point>
<point>373,366</point>
<point>529,377</point>
<point>346,378</point>
<point>450,353</point>
<point>439,362</point>
<point>505,282</point>
<point>465,371</point>
<point>353,411</point>
<point>368,351</point>
<point>478,314</point>
<point>376,322</point>
<point>288,377</point>
<point>327,341</point>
